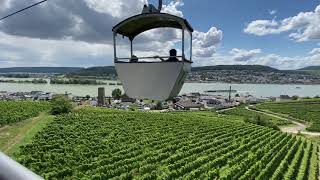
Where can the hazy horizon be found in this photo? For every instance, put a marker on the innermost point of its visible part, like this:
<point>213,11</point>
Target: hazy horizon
<point>113,66</point>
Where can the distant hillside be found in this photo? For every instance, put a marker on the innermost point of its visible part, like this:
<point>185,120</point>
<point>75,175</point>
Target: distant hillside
<point>245,74</point>
<point>101,71</point>
<point>109,71</point>
<point>311,68</point>
<point>235,67</point>
<point>39,69</point>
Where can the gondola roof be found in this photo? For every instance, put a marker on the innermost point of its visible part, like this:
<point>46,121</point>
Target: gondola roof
<point>135,25</point>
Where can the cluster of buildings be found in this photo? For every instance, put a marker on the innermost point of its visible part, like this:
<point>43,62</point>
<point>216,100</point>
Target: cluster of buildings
<point>195,101</point>
<point>190,101</point>
<point>33,95</point>
<point>257,77</point>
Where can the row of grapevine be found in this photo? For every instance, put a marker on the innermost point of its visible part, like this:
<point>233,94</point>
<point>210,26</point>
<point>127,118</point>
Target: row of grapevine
<point>279,172</point>
<point>238,165</point>
<point>15,111</point>
<point>264,156</point>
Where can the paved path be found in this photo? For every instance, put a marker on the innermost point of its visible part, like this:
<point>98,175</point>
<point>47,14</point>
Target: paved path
<point>295,128</point>
<point>227,109</point>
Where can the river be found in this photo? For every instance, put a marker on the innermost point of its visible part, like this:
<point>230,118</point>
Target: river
<point>258,90</point>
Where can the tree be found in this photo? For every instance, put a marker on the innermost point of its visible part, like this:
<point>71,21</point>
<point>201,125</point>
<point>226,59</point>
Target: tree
<point>60,105</point>
<point>116,93</point>
<point>295,97</point>
<point>159,106</point>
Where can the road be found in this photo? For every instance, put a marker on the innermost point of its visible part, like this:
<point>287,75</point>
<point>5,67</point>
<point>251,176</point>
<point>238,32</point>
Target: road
<point>295,128</point>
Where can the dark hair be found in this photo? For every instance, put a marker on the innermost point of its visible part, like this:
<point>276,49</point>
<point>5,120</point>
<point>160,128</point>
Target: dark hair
<point>173,52</point>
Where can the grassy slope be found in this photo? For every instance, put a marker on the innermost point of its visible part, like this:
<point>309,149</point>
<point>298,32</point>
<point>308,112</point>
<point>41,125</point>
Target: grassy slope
<point>241,111</point>
<point>15,135</point>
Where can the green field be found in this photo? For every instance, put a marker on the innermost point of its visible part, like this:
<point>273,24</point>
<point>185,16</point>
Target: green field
<point>102,144</point>
<point>16,111</point>
<point>257,118</point>
<point>307,110</point>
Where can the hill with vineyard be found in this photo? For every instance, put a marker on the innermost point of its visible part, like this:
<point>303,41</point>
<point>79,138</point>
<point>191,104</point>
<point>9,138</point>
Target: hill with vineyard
<point>94,143</point>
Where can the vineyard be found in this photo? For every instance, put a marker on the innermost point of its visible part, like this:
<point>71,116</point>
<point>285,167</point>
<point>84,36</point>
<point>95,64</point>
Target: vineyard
<point>15,111</point>
<point>307,110</point>
<point>103,144</point>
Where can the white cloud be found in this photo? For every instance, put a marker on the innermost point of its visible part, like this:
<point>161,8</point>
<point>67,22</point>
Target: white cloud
<point>117,9</point>
<point>244,55</point>
<point>262,27</point>
<point>15,52</point>
<point>277,61</point>
<point>272,12</point>
<point>315,51</point>
<point>235,56</point>
<point>204,44</point>
<point>295,62</point>
<point>303,27</point>
<point>78,33</point>
<point>172,8</point>
<point>259,58</point>
<point>5,4</point>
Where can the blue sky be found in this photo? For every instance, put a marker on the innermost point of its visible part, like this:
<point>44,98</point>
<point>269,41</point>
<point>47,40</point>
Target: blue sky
<point>284,34</point>
<point>232,16</point>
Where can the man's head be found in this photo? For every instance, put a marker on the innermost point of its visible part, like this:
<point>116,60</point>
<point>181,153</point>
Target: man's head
<point>173,52</point>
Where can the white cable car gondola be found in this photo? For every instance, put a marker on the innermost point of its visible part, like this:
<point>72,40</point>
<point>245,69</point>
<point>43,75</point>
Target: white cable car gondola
<point>157,80</point>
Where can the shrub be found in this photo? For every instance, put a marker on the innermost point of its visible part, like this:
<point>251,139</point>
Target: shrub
<point>261,121</point>
<point>159,106</point>
<point>60,105</point>
<point>295,98</point>
<point>116,93</point>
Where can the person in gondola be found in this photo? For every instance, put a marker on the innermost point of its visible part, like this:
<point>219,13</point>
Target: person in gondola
<point>134,58</point>
<point>172,58</point>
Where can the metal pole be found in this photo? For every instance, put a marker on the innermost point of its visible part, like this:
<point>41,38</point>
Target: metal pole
<point>230,94</point>
<point>191,46</point>
<point>183,57</point>
<point>151,57</point>
<point>131,48</point>
<point>115,47</point>
<point>9,169</point>
<point>160,5</point>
